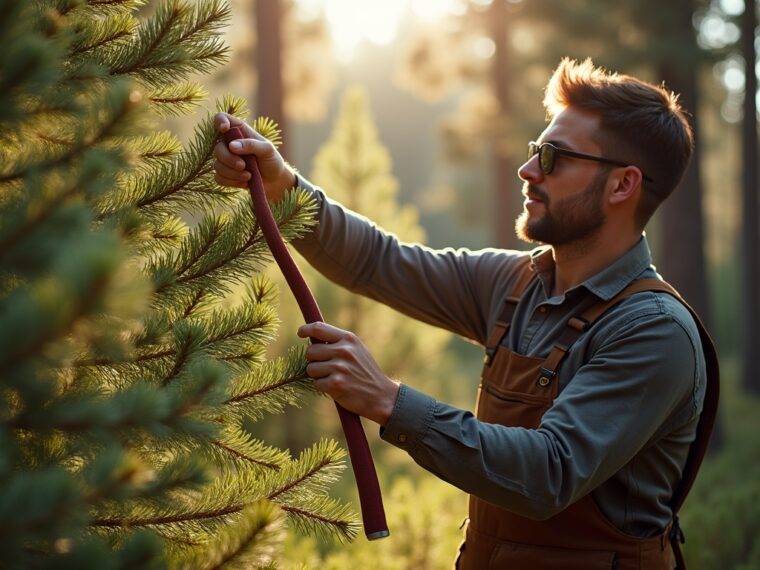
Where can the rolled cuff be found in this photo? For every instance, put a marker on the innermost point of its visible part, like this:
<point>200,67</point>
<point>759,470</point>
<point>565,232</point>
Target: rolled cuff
<point>410,420</point>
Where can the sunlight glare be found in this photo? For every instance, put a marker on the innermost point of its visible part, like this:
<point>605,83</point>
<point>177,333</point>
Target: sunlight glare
<point>732,7</point>
<point>352,21</point>
<point>434,10</point>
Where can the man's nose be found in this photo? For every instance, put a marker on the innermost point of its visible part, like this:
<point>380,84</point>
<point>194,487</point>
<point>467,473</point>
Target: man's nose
<point>530,171</point>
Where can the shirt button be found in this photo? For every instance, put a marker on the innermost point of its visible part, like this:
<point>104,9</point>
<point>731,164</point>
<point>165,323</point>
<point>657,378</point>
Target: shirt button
<point>402,438</point>
<point>542,309</point>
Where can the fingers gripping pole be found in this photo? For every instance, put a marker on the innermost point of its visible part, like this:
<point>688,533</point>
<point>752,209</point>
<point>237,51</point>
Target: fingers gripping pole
<point>373,513</point>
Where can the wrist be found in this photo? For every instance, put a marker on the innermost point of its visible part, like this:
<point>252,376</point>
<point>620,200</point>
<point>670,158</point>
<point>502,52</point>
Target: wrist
<point>388,403</point>
<point>276,188</point>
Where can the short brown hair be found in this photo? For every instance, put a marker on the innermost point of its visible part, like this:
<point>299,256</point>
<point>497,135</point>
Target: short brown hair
<point>641,123</point>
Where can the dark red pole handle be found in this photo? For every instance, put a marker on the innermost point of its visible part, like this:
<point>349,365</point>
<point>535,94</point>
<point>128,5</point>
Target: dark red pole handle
<point>370,498</point>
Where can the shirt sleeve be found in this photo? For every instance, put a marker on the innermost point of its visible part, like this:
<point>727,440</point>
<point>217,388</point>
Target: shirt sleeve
<point>453,289</point>
<point>638,386</point>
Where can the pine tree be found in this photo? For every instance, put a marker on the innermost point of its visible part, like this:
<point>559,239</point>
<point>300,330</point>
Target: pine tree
<point>127,369</point>
<point>354,168</point>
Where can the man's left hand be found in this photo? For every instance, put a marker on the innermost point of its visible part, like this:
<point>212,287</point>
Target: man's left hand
<point>342,367</point>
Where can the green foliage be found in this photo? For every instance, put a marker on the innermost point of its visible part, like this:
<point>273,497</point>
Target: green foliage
<point>721,518</point>
<point>427,516</point>
<point>127,372</point>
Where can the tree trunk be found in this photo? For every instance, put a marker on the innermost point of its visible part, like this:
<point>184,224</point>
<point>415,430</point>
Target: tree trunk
<point>683,256</point>
<point>750,233</point>
<point>505,181</point>
<point>269,89</point>
<point>683,221</point>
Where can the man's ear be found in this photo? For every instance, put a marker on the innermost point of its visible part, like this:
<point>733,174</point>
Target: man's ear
<point>626,183</point>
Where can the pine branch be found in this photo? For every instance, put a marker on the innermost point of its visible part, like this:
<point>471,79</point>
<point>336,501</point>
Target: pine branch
<point>269,387</point>
<point>38,216</point>
<point>247,457</point>
<point>227,498</point>
<point>94,35</point>
<point>82,306</point>
<point>303,498</point>
<point>208,19</point>
<point>193,304</point>
<point>177,41</point>
<point>251,542</point>
<point>233,336</point>
<point>312,517</point>
<point>239,333</point>
<point>105,7</point>
<point>154,238</point>
<point>175,412</point>
<point>190,340</point>
<point>252,394</point>
<point>269,129</point>
<point>153,150</point>
<point>213,263</point>
<point>186,182</point>
<point>313,469</point>
<point>126,103</point>
<point>176,99</point>
<point>158,520</point>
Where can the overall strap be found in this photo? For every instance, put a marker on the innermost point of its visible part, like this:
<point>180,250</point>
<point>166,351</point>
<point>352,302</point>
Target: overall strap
<point>525,275</point>
<point>576,326</point>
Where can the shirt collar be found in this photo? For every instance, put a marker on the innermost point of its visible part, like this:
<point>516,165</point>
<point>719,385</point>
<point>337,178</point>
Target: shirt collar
<point>610,280</point>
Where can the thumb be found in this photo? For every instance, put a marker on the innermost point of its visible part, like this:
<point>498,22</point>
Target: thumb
<point>256,147</point>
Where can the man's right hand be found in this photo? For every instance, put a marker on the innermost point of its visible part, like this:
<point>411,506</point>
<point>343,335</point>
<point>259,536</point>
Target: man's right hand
<point>229,167</point>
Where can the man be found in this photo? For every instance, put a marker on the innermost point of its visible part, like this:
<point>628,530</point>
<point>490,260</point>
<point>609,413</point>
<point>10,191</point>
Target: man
<point>595,373</point>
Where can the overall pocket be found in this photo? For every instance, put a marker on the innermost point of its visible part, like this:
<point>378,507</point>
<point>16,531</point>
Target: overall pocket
<point>509,408</point>
<point>513,555</point>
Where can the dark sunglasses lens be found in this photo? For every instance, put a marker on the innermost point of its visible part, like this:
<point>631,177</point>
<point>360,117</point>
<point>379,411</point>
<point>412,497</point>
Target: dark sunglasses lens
<point>546,158</point>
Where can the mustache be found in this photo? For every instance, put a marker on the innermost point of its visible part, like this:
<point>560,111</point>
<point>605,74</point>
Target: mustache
<point>530,190</point>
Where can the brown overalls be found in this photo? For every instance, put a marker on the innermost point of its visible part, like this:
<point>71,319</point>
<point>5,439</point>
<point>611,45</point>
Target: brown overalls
<point>517,390</point>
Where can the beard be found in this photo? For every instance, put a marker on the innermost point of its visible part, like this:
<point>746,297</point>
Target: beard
<point>575,218</point>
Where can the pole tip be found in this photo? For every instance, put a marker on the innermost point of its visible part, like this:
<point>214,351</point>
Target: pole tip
<point>378,534</point>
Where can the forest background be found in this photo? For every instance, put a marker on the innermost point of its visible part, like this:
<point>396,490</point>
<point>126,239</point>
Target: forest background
<point>417,114</point>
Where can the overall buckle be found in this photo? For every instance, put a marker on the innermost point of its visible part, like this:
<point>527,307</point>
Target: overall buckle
<point>676,533</point>
<point>545,377</point>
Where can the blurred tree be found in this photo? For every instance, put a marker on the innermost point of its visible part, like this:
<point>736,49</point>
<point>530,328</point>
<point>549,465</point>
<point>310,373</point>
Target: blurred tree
<point>750,243</point>
<point>475,48</point>
<point>355,169</point>
<point>677,58</point>
<point>268,16</point>
<point>294,66</point>
<point>126,372</point>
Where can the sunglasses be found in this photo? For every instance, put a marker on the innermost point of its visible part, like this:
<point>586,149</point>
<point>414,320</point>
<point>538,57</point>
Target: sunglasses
<point>548,153</point>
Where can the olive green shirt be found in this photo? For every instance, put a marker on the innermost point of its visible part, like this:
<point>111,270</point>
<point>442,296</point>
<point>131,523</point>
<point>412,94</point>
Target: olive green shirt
<point>631,390</point>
